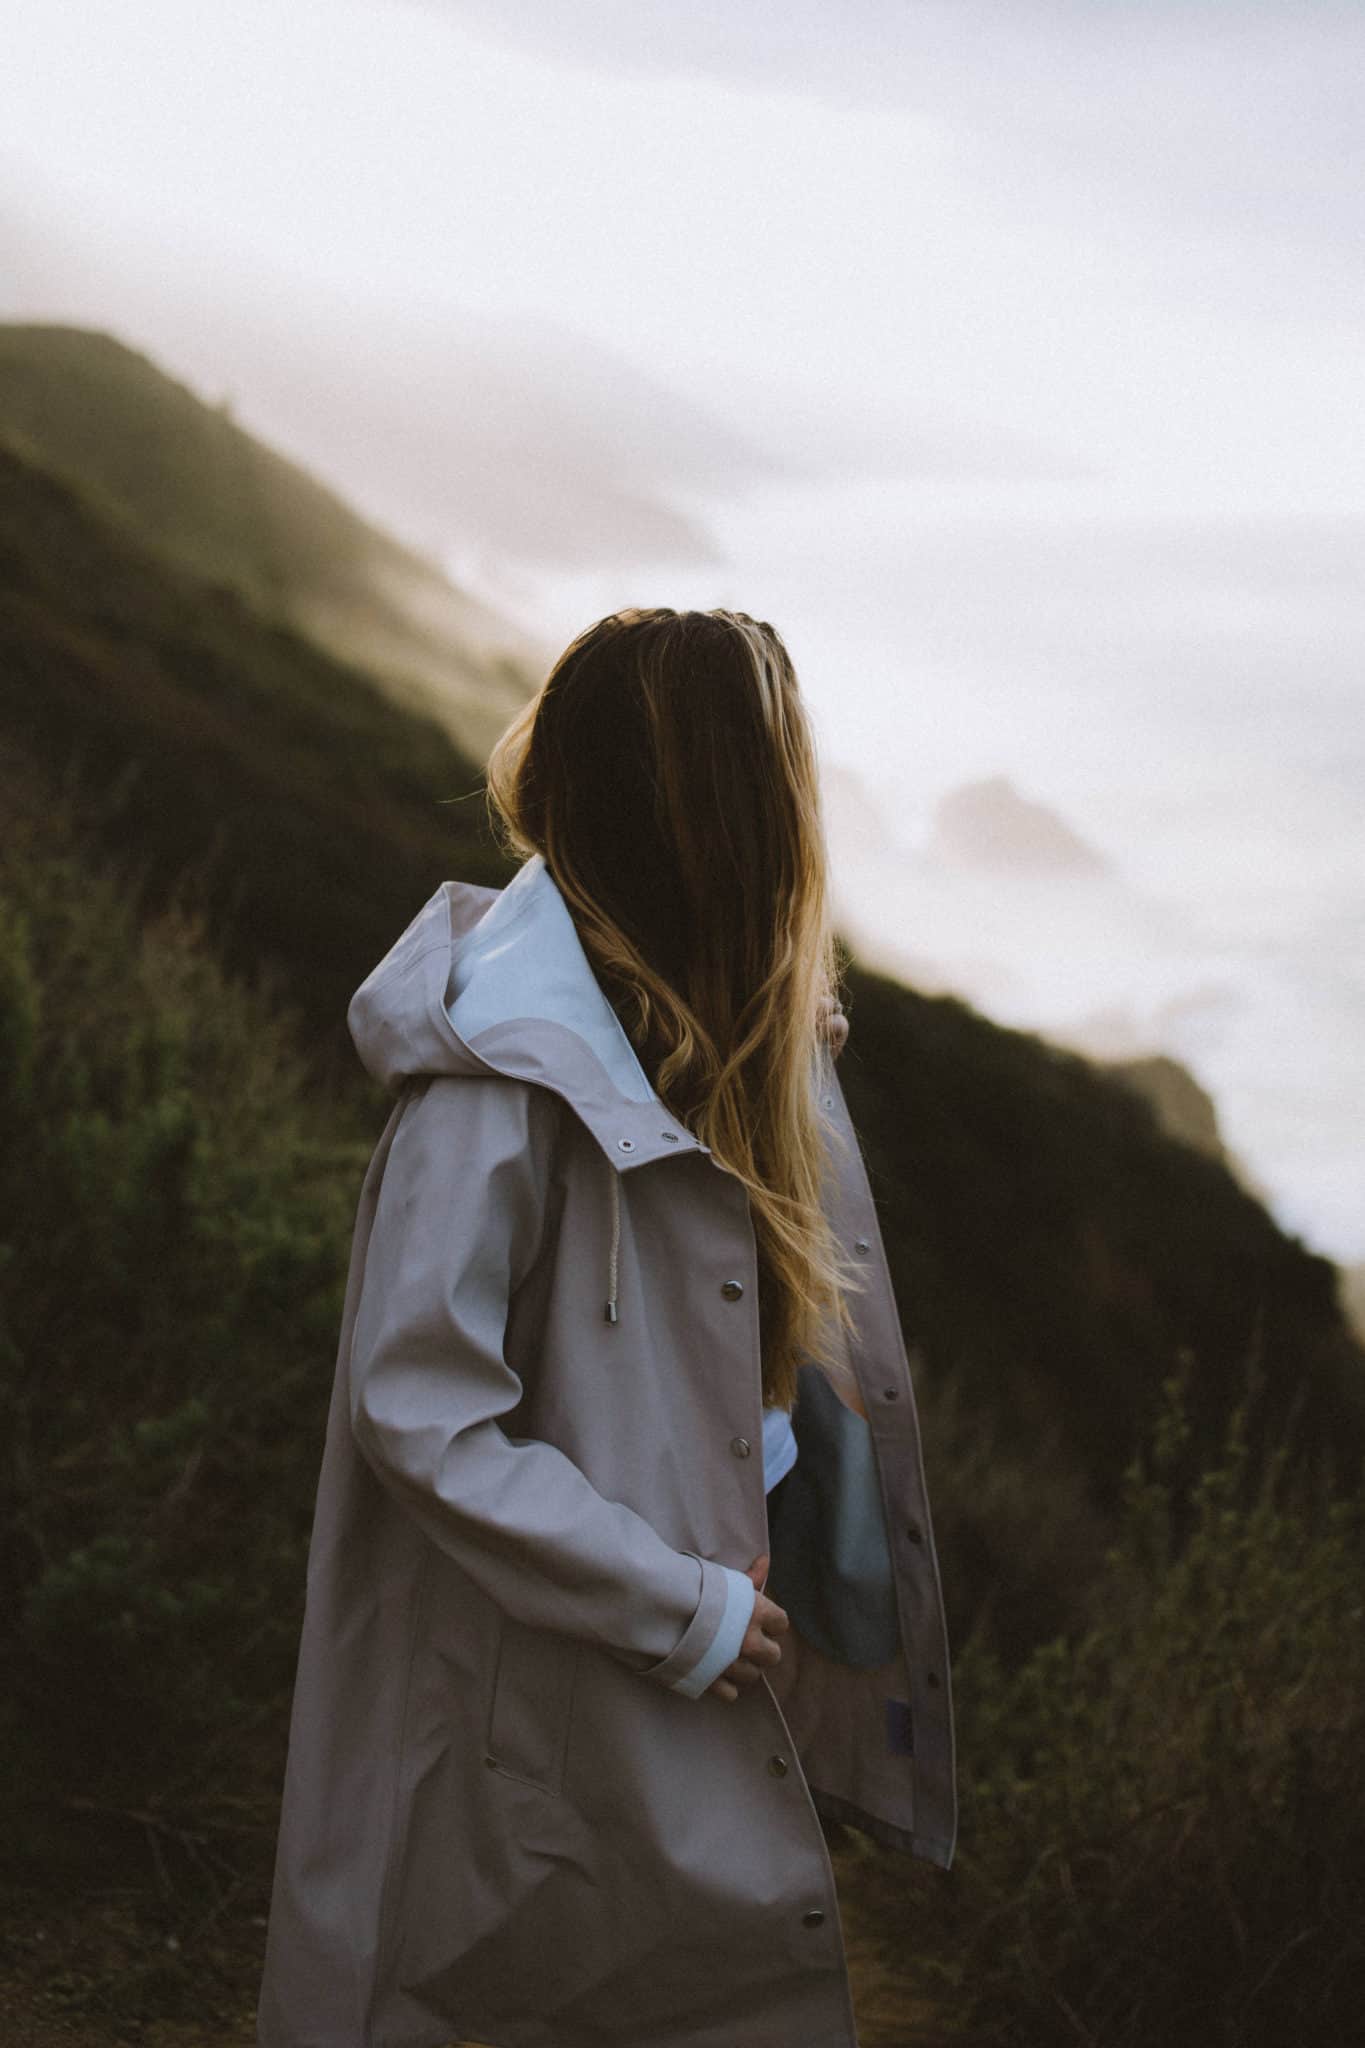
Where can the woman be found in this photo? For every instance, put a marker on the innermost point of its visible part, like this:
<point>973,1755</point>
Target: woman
<point>561,1743</point>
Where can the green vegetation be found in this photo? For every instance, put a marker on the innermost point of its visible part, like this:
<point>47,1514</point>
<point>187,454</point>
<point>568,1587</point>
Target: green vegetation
<point>211,833</point>
<point>1163,1825</point>
<point>184,482</point>
<point>1056,1256</point>
<point>175,1212</point>
<point>1163,1832</point>
<point>312,816</point>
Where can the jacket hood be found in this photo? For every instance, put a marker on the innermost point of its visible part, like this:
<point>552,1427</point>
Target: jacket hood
<point>496,981</point>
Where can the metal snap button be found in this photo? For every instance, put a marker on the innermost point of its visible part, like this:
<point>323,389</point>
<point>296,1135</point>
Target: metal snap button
<point>625,1144</point>
<point>732,1289</point>
<point>862,1244</point>
<point>669,1137</point>
<point>829,1102</point>
<point>815,1918</point>
<point>740,1446</point>
<point>778,1766</point>
<point>891,1393</point>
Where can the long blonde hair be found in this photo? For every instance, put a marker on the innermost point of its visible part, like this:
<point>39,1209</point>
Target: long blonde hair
<point>666,772</point>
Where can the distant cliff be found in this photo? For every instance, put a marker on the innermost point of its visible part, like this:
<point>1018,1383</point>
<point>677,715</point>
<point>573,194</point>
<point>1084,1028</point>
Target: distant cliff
<point>1185,1109</point>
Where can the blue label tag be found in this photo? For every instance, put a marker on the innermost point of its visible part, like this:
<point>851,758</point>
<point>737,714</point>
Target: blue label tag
<point>899,1728</point>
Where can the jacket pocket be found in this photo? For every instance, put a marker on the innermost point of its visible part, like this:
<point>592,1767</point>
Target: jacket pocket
<point>531,1709</point>
<point>831,1565</point>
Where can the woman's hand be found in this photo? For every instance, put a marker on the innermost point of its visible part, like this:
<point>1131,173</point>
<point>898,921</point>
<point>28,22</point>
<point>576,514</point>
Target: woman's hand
<point>760,1647</point>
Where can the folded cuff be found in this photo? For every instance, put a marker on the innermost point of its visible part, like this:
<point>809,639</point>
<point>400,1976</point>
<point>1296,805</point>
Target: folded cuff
<point>740,1597</point>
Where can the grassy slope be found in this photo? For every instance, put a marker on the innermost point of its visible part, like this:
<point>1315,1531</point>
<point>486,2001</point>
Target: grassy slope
<point>178,1197</point>
<point>317,814</point>
<point>1054,1253</point>
<point>202,494</point>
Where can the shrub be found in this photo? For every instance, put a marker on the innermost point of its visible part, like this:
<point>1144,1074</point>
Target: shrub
<point>1163,1826</point>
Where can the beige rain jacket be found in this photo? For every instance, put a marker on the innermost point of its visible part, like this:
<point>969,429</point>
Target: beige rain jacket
<point>511,1812</point>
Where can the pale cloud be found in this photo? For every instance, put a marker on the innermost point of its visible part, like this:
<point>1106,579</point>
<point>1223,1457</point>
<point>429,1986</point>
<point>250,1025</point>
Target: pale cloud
<point>1143,97</point>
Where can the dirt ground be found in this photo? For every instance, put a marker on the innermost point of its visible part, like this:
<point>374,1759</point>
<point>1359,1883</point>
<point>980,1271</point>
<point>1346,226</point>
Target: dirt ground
<point>120,1965</point>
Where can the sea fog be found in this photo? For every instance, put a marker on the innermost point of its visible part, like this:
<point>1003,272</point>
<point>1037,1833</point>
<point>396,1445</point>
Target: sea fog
<point>1095,767</point>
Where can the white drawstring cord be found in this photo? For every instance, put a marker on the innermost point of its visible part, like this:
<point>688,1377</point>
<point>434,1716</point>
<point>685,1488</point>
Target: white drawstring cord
<point>611,1315</point>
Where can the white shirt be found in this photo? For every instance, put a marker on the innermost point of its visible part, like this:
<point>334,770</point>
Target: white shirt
<point>779,1446</point>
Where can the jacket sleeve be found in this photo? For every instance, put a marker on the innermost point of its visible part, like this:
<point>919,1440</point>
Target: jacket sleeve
<point>460,1215</point>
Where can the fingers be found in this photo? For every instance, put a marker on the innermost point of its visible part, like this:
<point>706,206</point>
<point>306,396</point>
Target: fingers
<point>758,1648</point>
<point>768,1616</point>
<point>758,1651</point>
<point>746,1670</point>
<point>743,1672</point>
<point>756,1659</point>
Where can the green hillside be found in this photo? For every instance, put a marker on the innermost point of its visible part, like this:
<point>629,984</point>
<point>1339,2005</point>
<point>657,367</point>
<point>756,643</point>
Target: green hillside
<point>1163,1832</point>
<point>1055,1254</point>
<point>1157,1666</point>
<point>197,490</point>
<point>308,813</point>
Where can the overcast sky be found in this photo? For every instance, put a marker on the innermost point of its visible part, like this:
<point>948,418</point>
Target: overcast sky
<point>1006,355</point>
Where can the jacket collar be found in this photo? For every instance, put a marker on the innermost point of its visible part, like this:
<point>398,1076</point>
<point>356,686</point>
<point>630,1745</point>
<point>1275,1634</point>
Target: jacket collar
<point>497,981</point>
